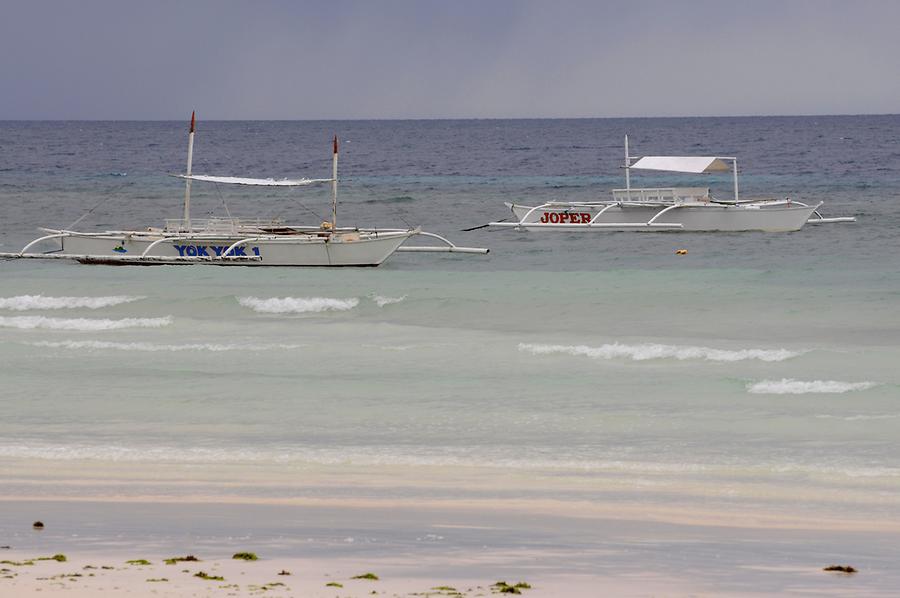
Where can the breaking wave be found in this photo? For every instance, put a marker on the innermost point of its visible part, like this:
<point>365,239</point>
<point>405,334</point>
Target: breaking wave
<point>297,305</point>
<point>28,302</point>
<point>83,324</point>
<point>382,301</point>
<point>860,417</point>
<point>643,352</point>
<point>788,386</point>
<point>442,456</point>
<point>152,347</point>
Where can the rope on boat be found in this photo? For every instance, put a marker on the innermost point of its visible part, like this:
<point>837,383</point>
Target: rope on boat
<point>308,209</point>
<point>466,230</point>
<point>100,203</point>
<point>224,203</point>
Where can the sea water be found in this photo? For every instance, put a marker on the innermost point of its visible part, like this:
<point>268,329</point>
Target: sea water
<point>759,369</point>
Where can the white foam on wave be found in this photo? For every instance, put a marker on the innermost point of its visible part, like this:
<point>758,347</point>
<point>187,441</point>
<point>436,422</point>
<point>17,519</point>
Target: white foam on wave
<point>443,456</point>
<point>381,301</point>
<point>153,347</point>
<point>860,417</point>
<point>645,351</point>
<point>372,456</point>
<point>789,386</point>
<point>82,324</point>
<point>29,302</point>
<point>297,305</point>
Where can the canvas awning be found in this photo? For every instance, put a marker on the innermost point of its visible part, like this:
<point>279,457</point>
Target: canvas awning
<point>234,180</point>
<point>692,164</point>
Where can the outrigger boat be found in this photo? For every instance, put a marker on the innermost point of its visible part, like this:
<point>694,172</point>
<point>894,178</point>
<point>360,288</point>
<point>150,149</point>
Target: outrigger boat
<point>232,241</point>
<point>673,208</point>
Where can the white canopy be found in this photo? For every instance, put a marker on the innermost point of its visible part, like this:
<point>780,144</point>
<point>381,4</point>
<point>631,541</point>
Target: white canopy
<point>234,180</point>
<point>693,164</point>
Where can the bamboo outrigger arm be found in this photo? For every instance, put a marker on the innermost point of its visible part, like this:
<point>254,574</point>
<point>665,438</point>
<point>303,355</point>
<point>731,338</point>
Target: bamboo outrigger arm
<point>127,259</point>
<point>567,226</point>
<point>448,248</point>
<point>124,259</point>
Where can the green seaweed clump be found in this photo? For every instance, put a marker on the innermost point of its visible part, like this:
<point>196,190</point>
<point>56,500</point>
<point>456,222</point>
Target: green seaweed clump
<point>59,558</point>
<point>501,587</point>
<point>284,572</point>
<point>444,589</point>
<point>17,563</point>
<point>181,559</point>
<point>138,562</point>
<point>334,584</point>
<point>157,579</point>
<point>205,575</point>
<point>245,556</point>
<point>371,576</point>
<point>840,569</point>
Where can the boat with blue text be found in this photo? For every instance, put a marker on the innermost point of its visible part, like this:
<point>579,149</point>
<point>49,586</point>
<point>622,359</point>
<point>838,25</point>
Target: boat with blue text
<point>234,241</point>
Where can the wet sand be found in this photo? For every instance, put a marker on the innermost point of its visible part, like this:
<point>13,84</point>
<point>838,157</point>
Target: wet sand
<point>412,549</point>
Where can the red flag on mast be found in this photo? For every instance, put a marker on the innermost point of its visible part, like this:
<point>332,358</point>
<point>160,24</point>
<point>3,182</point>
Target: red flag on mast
<point>192,121</point>
<point>335,144</point>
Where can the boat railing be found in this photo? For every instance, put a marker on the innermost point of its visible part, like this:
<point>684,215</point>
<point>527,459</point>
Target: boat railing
<point>662,195</point>
<point>218,225</point>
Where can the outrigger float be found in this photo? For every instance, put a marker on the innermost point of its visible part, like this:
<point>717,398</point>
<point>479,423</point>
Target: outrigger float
<point>232,241</point>
<point>674,208</point>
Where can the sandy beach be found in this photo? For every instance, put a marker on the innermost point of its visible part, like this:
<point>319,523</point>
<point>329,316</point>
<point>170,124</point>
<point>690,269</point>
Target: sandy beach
<point>557,550</point>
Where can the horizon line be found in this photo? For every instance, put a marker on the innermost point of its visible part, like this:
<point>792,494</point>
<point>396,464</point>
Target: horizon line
<point>449,118</point>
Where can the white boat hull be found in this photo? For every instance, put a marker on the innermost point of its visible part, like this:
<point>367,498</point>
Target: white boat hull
<point>705,218</point>
<point>342,250</point>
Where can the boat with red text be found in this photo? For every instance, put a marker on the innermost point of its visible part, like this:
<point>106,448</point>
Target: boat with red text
<point>672,208</point>
<point>234,241</point>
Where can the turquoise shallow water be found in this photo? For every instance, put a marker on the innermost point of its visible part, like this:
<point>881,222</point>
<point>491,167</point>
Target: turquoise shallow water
<point>757,370</point>
<point>735,378</point>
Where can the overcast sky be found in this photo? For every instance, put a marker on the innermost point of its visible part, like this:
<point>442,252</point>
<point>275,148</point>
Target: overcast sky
<point>158,59</point>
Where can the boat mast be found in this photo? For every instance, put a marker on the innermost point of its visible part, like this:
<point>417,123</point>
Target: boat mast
<point>734,163</point>
<point>334,161</point>
<point>627,169</point>
<point>187,182</point>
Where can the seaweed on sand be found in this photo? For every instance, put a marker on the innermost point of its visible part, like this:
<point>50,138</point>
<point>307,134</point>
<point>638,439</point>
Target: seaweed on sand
<point>501,587</point>
<point>245,556</point>
<point>181,559</point>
